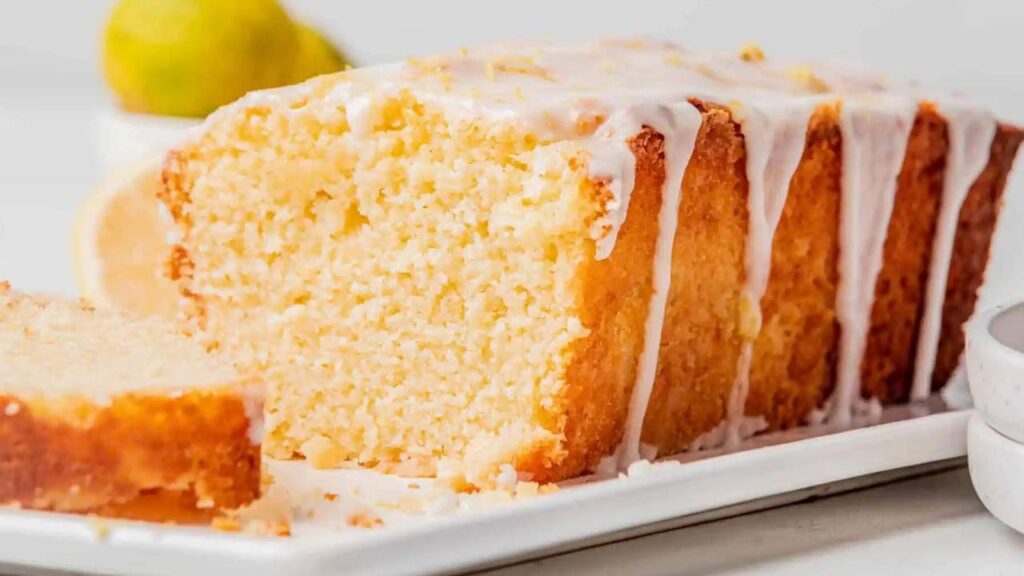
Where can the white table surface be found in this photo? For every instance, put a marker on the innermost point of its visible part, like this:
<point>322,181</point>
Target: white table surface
<point>932,525</point>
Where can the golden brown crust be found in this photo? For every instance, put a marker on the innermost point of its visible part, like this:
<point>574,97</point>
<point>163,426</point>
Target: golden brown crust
<point>698,357</point>
<point>700,343</point>
<point>888,364</point>
<point>174,192</point>
<point>616,296</point>
<point>76,456</point>
<point>794,357</point>
<point>975,229</point>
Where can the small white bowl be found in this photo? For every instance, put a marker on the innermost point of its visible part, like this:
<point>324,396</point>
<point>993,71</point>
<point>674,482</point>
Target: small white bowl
<point>995,368</point>
<point>997,470</point>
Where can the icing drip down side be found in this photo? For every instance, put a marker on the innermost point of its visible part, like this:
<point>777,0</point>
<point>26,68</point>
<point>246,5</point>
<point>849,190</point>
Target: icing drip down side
<point>678,124</point>
<point>874,142</point>
<point>774,133</point>
<point>971,131</point>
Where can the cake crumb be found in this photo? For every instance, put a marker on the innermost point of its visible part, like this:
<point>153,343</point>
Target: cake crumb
<point>527,489</point>
<point>252,527</point>
<point>507,477</point>
<point>806,76</point>
<point>271,514</point>
<point>99,527</point>
<point>321,453</point>
<point>406,504</point>
<point>266,528</point>
<point>330,496</point>
<point>364,520</point>
<point>454,477</point>
<point>550,488</point>
<point>226,524</point>
<point>751,52</point>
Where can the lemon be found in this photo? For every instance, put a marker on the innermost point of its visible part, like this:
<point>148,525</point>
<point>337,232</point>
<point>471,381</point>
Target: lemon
<point>316,55</point>
<point>188,57</point>
<point>120,243</point>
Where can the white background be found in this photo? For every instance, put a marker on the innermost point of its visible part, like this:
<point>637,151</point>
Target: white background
<point>50,88</point>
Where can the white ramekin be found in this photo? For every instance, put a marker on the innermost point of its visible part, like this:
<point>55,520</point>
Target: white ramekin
<point>997,469</point>
<point>995,368</point>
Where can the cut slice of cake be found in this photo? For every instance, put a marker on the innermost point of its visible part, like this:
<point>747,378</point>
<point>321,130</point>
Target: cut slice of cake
<point>548,255</point>
<point>124,417</point>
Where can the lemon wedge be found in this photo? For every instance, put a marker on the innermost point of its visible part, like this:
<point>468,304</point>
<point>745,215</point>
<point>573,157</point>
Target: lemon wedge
<point>121,243</point>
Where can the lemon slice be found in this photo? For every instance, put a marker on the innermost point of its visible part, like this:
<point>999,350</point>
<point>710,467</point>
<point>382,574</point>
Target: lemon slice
<point>120,243</point>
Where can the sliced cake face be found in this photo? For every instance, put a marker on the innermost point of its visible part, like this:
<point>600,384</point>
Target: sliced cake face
<point>101,413</point>
<point>554,256</point>
<point>411,289</point>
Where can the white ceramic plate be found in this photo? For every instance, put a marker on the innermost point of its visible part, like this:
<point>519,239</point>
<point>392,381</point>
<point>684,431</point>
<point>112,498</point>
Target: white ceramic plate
<point>663,496</point>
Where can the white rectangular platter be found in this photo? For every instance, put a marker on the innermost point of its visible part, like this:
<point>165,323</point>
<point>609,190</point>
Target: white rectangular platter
<point>662,497</point>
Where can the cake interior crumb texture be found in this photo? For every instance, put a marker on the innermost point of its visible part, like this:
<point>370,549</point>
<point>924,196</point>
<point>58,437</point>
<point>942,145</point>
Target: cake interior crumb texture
<point>101,355</point>
<point>422,321</point>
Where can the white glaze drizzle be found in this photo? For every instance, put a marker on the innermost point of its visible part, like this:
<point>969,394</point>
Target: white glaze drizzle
<point>970,131</point>
<point>612,162</point>
<point>774,133</point>
<point>678,124</point>
<point>874,141</point>
<point>740,428</point>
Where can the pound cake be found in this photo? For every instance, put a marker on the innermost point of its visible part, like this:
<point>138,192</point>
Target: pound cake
<point>562,256</point>
<point>109,415</point>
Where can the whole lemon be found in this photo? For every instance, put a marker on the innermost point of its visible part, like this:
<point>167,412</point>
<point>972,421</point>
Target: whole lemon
<point>316,55</point>
<point>188,57</point>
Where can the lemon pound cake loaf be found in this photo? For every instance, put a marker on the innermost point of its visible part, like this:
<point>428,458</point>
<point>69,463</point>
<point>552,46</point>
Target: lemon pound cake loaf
<point>107,415</point>
<point>554,257</point>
